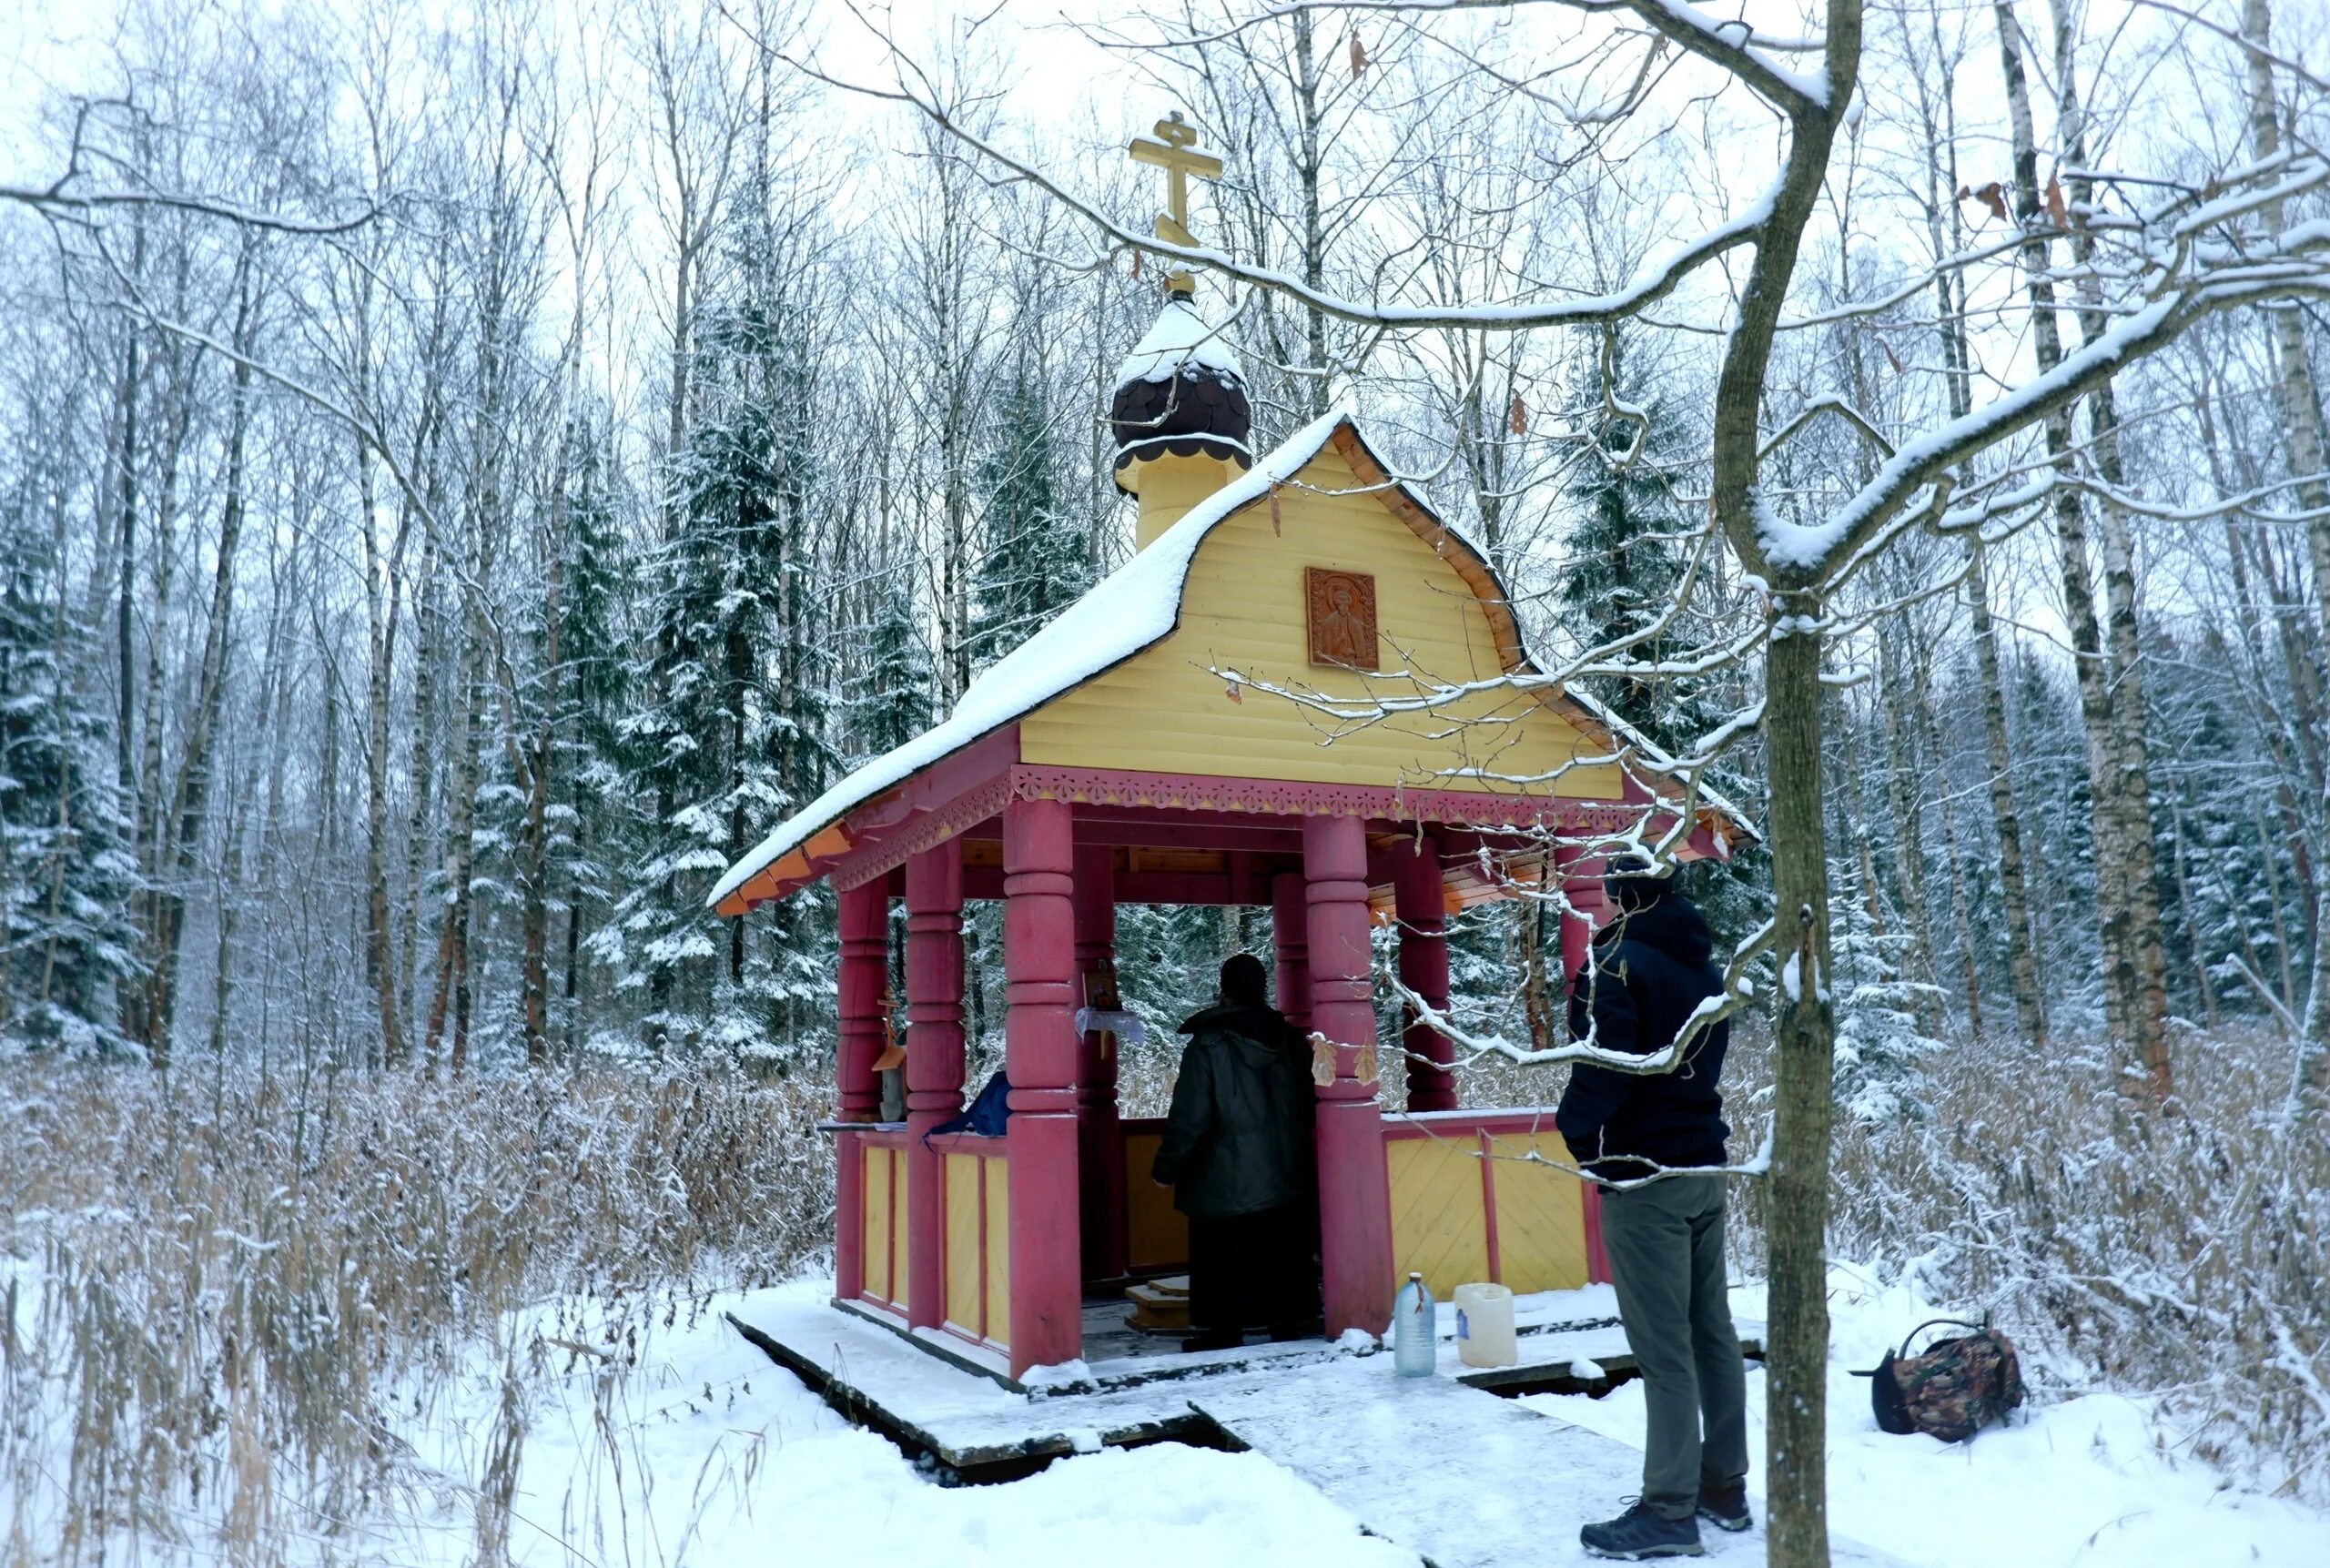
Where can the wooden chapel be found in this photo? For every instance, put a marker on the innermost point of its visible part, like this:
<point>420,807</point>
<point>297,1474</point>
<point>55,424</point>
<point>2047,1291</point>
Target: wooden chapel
<point>1124,755</point>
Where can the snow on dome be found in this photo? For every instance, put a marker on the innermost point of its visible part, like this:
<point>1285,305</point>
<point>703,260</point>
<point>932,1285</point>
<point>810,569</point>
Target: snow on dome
<point>1180,394</point>
<point>1179,340</point>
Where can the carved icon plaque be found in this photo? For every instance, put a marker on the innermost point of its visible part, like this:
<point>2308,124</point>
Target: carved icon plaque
<point>1341,618</point>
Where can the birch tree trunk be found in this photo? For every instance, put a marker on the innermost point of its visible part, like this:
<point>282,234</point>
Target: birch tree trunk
<point>153,815</point>
<point>2305,444</point>
<point>383,597</point>
<point>1307,173</point>
<point>2116,860</point>
<point>2147,962</point>
<point>1946,236</point>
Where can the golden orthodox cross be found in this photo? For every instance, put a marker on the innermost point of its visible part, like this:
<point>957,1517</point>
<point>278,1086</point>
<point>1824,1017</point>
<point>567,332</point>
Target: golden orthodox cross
<point>1172,148</point>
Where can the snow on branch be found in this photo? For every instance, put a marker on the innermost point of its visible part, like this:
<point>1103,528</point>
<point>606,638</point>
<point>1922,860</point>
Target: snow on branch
<point>2259,272</point>
<point>1738,990</point>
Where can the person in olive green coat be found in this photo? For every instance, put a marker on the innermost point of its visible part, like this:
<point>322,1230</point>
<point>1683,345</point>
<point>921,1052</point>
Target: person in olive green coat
<point>1238,1153</point>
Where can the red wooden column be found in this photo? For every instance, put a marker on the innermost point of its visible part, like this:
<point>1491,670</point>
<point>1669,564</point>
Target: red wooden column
<point>1040,1052</point>
<point>864,939</point>
<point>1424,969</point>
<point>1290,934</point>
<point>1100,1137</point>
<point>1354,1189</point>
<point>934,1065</point>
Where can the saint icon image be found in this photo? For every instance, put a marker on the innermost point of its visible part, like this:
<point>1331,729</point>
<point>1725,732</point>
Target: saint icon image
<point>1341,618</point>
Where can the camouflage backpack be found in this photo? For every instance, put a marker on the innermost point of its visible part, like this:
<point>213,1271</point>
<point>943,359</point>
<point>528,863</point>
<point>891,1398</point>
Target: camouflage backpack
<point>1950,1390</point>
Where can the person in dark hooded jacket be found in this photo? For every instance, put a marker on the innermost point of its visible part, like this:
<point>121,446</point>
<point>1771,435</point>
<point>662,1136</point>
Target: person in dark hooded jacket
<point>1237,1154</point>
<point>1652,967</point>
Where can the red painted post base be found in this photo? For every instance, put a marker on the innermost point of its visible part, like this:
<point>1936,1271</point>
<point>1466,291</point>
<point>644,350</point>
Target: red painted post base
<point>1354,1185</point>
<point>1039,1057</point>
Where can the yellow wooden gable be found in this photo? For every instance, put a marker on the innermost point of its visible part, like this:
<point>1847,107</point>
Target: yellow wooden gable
<point>1441,621</point>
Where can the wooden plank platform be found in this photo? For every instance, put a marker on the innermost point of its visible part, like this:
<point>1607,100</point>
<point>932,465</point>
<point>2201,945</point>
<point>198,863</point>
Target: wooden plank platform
<point>929,1394</point>
<point>1442,1465</point>
<point>939,1395</point>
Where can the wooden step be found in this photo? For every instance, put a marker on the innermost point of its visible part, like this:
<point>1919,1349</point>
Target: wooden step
<point>1160,1306</point>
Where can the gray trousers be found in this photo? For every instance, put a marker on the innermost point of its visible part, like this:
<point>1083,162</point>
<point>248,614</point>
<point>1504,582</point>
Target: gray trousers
<point>1665,1247</point>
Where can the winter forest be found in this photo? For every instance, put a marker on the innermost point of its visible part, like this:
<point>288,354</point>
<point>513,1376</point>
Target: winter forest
<point>467,471</point>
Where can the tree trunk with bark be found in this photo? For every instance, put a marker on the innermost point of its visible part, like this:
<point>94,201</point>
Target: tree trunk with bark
<point>2117,860</point>
<point>2147,964</point>
<point>2306,447</point>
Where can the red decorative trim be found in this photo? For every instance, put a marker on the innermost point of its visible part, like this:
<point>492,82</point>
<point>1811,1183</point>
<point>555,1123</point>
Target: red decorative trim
<point>1288,797</point>
<point>926,830</point>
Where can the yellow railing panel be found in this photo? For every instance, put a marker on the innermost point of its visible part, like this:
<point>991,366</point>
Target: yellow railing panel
<point>877,1225</point>
<point>1439,1220</point>
<point>964,1245</point>
<point>997,1183</point>
<point>1540,1215</point>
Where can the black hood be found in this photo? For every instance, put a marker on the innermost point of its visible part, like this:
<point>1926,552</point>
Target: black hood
<point>1673,926</point>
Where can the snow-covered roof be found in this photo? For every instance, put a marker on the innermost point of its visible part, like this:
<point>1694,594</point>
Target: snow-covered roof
<point>1134,606</point>
<point>1179,338</point>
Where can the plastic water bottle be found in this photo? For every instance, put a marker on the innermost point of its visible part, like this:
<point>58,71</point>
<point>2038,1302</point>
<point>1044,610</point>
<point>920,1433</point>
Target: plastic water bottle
<point>1414,1331</point>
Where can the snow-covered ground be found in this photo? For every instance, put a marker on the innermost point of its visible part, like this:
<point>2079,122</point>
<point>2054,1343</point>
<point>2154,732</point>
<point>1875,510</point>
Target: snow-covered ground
<point>2078,1483</point>
<point>707,1453</point>
<point>713,1455</point>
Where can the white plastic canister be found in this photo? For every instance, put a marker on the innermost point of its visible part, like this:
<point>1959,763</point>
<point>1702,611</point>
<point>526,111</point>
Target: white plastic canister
<point>1485,1326</point>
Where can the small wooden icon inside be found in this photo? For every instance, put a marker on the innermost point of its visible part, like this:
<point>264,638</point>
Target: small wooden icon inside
<point>1342,617</point>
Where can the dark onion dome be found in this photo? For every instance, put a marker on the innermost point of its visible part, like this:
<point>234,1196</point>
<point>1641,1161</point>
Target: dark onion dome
<point>1181,392</point>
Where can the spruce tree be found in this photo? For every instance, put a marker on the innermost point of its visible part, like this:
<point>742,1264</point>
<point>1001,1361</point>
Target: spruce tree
<point>728,734</point>
<point>1035,563</point>
<point>590,822</point>
<point>66,870</point>
<point>1879,1045</point>
<point>1624,557</point>
<point>897,700</point>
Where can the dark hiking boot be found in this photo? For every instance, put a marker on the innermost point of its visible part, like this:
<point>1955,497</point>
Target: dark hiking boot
<point>1213,1340</point>
<point>1285,1333</point>
<point>1725,1507</point>
<point>1639,1532</point>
